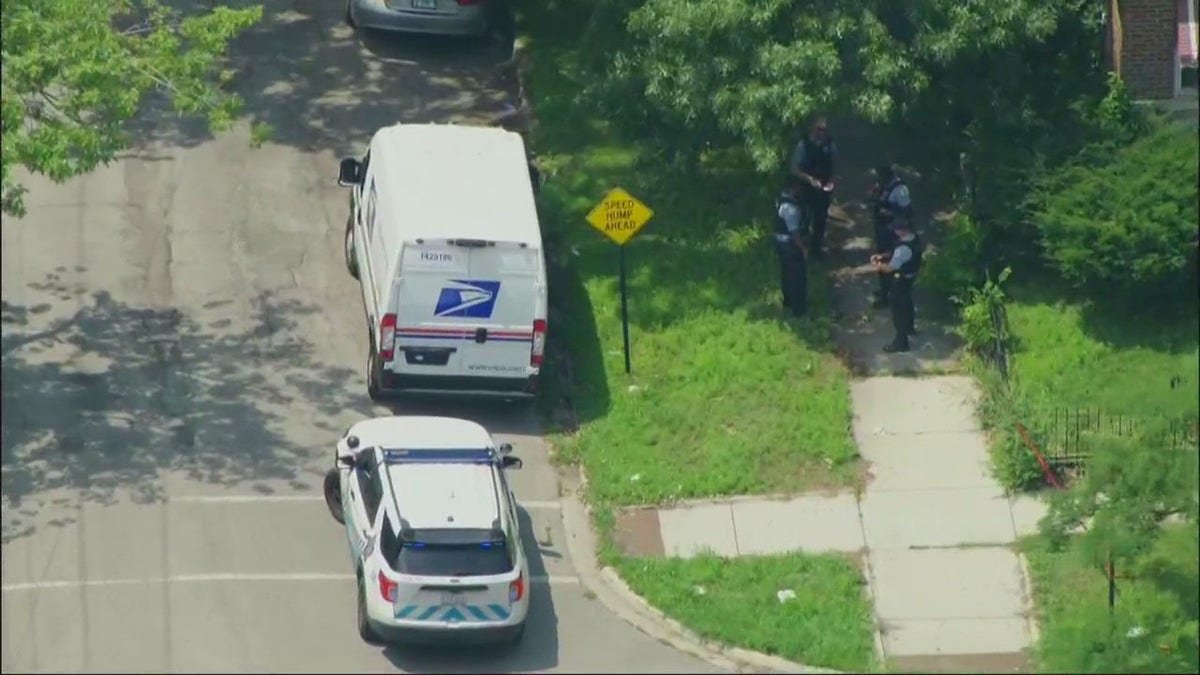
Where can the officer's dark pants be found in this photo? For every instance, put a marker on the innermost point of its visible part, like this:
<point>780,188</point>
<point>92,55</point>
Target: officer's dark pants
<point>793,276</point>
<point>885,242</point>
<point>903,313</point>
<point>816,206</point>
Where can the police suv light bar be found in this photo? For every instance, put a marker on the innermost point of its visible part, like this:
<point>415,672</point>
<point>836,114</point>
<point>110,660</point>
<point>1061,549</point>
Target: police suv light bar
<point>463,456</point>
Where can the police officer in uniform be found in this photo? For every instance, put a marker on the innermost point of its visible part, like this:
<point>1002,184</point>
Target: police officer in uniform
<point>902,264</point>
<point>891,203</point>
<point>789,245</point>
<point>812,163</point>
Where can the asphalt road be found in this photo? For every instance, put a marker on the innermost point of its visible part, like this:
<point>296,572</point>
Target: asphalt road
<point>182,346</point>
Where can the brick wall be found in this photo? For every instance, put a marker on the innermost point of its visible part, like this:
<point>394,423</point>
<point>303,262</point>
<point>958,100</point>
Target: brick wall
<point>1147,38</point>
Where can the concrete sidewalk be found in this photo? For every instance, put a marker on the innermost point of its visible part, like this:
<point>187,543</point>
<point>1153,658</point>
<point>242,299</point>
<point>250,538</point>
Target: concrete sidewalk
<point>950,594</point>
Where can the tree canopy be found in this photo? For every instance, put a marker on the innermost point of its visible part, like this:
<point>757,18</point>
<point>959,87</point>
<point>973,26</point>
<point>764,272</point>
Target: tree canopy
<point>76,71</point>
<point>750,71</point>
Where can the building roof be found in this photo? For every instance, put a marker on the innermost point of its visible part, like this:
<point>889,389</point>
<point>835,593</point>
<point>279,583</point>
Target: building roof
<point>438,181</point>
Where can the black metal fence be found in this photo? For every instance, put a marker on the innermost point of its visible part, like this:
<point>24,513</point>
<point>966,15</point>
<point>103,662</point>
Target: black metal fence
<point>1069,435</point>
<point>1065,437</point>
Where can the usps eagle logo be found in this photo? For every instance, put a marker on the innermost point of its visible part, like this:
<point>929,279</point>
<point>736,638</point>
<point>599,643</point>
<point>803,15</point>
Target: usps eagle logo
<point>468,299</point>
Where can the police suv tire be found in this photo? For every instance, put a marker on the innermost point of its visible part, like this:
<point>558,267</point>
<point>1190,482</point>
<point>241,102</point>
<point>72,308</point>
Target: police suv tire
<point>364,625</point>
<point>517,636</point>
<point>348,248</point>
<point>333,495</point>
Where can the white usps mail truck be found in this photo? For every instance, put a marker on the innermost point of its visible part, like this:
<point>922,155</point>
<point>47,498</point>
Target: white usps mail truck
<point>443,236</point>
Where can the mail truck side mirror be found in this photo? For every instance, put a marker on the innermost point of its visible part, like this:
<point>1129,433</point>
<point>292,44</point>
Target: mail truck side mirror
<point>510,462</point>
<point>349,172</point>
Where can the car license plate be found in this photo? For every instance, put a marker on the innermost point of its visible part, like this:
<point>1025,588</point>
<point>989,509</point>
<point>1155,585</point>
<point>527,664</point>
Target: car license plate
<point>453,600</point>
<point>424,4</point>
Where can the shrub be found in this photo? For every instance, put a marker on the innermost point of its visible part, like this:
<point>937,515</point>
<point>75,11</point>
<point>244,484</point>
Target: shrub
<point>981,319</point>
<point>956,263</point>
<point>1013,463</point>
<point>1122,220</point>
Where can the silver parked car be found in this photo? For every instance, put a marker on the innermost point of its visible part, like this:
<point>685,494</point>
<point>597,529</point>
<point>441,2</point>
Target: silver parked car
<point>435,17</point>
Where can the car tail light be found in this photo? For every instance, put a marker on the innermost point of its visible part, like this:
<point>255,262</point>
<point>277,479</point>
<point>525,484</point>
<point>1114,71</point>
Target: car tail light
<point>516,588</point>
<point>388,588</point>
<point>387,337</point>
<point>538,349</point>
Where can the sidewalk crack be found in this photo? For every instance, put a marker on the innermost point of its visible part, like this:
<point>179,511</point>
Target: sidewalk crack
<point>733,523</point>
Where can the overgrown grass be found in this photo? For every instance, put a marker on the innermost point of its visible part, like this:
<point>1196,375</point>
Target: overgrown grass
<point>828,622</point>
<point>1081,358</point>
<point>1154,627</point>
<point>726,395</point>
<point>1071,355</point>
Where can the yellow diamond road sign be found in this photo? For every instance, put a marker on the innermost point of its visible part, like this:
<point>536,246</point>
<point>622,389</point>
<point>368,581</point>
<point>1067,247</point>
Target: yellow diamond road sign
<point>619,216</point>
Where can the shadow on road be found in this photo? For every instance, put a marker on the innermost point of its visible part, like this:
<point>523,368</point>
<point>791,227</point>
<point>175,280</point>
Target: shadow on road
<point>323,85</point>
<point>105,398</point>
<point>537,651</point>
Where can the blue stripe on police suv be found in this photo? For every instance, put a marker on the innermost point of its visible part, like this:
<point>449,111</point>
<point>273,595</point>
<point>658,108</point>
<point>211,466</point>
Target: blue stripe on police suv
<point>470,299</point>
<point>452,614</point>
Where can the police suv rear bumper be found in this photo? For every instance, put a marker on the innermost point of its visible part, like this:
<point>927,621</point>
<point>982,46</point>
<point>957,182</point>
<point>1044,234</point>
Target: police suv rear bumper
<point>440,635</point>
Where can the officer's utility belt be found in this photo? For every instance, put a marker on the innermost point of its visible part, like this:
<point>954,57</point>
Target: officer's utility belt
<point>901,275</point>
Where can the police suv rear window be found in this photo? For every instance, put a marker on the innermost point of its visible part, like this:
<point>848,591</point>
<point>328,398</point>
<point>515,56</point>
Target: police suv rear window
<point>453,560</point>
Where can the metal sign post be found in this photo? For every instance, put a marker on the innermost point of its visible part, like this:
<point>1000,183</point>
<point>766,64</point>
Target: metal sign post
<point>624,309</point>
<point>619,216</point>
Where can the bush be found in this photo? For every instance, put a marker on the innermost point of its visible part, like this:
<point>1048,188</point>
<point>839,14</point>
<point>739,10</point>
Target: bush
<point>956,263</point>
<point>1148,635</point>
<point>981,319</point>
<point>1121,220</point>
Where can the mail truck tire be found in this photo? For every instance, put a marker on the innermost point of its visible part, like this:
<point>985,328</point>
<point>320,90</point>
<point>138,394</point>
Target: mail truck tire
<point>364,625</point>
<point>377,378</point>
<point>348,247</point>
<point>333,495</point>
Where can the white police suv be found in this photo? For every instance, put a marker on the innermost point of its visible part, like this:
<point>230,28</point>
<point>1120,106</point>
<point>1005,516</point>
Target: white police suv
<point>433,530</point>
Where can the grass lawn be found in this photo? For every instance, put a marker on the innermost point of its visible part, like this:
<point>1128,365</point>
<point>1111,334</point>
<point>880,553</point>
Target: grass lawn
<point>1078,370</point>
<point>1070,356</point>
<point>828,623</point>
<point>726,395</point>
<point>1162,600</point>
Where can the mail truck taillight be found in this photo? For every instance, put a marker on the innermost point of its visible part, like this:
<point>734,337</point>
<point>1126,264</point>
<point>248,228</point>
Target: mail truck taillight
<point>516,588</point>
<point>538,349</point>
<point>387,587</point>
<point>387,337</point>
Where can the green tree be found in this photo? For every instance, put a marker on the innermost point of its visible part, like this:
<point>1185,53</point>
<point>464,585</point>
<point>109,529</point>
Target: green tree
<point>1120,220</point>
<point>76,71</point>
<point>1131,486</point>
<point>748,72</point>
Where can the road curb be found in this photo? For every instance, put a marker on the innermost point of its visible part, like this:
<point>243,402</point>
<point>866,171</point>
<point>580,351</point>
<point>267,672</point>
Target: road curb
<point>608,587</point>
